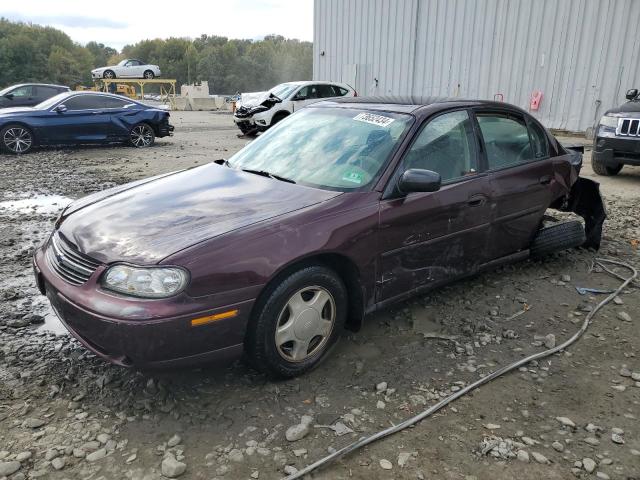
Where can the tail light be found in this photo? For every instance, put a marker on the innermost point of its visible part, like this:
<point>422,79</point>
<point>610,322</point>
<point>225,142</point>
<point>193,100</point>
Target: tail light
<point>355,94</point>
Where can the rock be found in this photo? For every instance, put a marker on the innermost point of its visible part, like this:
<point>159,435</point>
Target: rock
<point>381,387</point>
<point>417,400</point>
<point>298,432</point>
<point>97,455</point>
<point>103,438</point>
<point>602,476</point>
<point>290,469</point>
<point>386,464</point>
<point>550,341</point>
<point>9,468</point>
<point>565,278</point>
<point>403,458</point>
<point>58,463</point>
<point>491,426</point>
<point>222,470</point>
<point>589,465</point>
<point>300,452</point>
<point>617,438</point>
<point>538,457</point>
<point>567,422</point>
<point>624,316</point>
<point>172,468</point>
<point>523,456</point>
<point>380,405</point>
<point>529,441</point>
<point>635,452</point>
<point>635,376</point>
<point>173,441</point>
<point>592,441</point>
<point>255,474</point>
<point>23,456</point>
<point>557,446</point>
<point>617,431</point>
<point>33,423</point>
<point>235,455</point>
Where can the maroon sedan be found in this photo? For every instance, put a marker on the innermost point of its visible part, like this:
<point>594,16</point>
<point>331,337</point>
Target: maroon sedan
<point>341,209</point>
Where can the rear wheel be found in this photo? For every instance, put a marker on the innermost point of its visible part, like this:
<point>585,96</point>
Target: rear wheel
<point>148,74</point>
<point>601,169</point>
<point>297,322</point>
<point>142,135</point>
<point>16,139</point>
<point>109,74</point>
<point>555,238</point>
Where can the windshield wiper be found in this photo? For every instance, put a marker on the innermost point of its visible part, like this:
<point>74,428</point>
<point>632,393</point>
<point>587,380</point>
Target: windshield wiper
<point>264,173</point>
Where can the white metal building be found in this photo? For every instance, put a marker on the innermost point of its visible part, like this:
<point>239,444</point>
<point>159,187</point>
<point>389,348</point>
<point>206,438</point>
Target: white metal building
<point>582,55</point>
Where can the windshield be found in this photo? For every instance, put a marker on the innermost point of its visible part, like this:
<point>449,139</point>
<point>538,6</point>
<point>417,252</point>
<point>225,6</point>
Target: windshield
<point>330,148</point>
<point>283,90</point>
<point>50,102</point>
<point>6,90</point>
<point>121,63</point>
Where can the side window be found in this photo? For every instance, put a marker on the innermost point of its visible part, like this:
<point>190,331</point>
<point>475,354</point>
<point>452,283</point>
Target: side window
<point>46,92</point>
<point>506,139</point>
<point>22,92</point>
<point>109,102</point>
<point>326,91</point>
<point>83,102</point>
<point>538,140</point>
<point>302,94</point>
<point>341,91</point>
<point>445,145</point>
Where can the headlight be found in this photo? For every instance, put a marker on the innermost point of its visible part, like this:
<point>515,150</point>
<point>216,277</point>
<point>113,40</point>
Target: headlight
<point>608,121</point>
<point>150,282</point>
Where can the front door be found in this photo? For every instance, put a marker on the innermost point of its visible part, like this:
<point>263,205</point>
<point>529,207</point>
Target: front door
<point>427,239</point>
<point>84,121</point>
<point>521,176</point>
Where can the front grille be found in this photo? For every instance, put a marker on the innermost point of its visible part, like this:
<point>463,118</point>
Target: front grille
<point>628,127</point>
<point>68,263</point>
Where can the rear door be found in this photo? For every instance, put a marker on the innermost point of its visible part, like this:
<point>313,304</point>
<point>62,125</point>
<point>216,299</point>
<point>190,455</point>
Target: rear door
<point>427,239</point>
<point>521,179</point>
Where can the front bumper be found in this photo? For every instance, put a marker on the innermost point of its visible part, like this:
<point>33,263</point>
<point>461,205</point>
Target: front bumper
<point>246,125</point>
<point>139,332</point>
<point>96,75</point>
<point>165,130</point>
<point>613,151</point>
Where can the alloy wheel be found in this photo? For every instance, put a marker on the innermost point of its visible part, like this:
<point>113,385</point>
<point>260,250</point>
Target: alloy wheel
<point>17,139</point>
<point>148,75</point>
<point>305,323</point>
<point>141,136</point>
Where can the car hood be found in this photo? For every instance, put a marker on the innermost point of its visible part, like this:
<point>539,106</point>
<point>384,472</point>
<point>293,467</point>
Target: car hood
<point>252,99</point>
<point>629,107</point>
<point>150,220</point>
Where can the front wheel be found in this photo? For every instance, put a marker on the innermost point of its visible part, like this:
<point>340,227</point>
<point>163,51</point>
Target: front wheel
<point>142,135</point>
<point>148,74</point>
<point>297,322</point>
<point>16,139</point>
<point>109,74</point>
<point>601,169</point>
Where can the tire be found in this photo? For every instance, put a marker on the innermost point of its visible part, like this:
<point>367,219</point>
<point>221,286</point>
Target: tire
<point>602,169</point>
<point>278,117</point>
<point>148,74</point>
<point>555,238</point>
<point>142,135</point>
<point>288,335</point>
<point>16,139</point>
<point>109,74</point>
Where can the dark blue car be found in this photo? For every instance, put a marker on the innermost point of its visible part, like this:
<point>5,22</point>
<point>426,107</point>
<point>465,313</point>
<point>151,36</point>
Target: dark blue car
<point>75,118</point>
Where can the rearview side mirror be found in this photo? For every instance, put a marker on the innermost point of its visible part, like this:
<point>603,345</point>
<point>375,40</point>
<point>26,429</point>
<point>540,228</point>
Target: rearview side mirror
<point>60,108</point>
<point>419,180</point>
<point>632,94</point>
<point>9,96</point>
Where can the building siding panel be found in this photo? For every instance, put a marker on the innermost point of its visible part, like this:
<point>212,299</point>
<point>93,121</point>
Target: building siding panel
<point>582,54</point>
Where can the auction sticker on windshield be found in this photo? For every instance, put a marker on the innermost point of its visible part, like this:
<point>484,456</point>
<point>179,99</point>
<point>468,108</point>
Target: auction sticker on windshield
<point>374,119</point>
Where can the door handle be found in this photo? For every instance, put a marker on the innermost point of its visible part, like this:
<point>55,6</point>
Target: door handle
<point>545,180</point>
<point>476,200</point>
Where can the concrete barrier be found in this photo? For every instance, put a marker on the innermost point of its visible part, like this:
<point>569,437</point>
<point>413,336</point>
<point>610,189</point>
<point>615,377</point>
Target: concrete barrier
<point>203,103</point>
<point>182,103</point>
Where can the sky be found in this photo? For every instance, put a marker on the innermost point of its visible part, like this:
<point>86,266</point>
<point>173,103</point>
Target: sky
<point>117,23</point>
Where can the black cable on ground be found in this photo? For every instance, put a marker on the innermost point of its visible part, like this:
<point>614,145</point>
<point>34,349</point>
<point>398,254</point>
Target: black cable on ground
<point>506,369</point>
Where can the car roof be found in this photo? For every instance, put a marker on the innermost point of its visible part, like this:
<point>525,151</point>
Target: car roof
<point>312,82</point>
<point>38,85</point>
<point>409,104</point>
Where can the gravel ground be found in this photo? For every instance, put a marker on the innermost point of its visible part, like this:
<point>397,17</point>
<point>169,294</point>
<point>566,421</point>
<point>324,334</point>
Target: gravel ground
<point>65,414</point>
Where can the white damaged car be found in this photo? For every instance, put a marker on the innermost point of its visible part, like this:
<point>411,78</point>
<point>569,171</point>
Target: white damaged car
<point>127,68</point>
<point>257,111</point>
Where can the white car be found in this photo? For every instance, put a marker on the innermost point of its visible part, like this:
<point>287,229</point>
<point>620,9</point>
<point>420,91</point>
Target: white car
<point>256,112</point>
<point>127,68</point>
